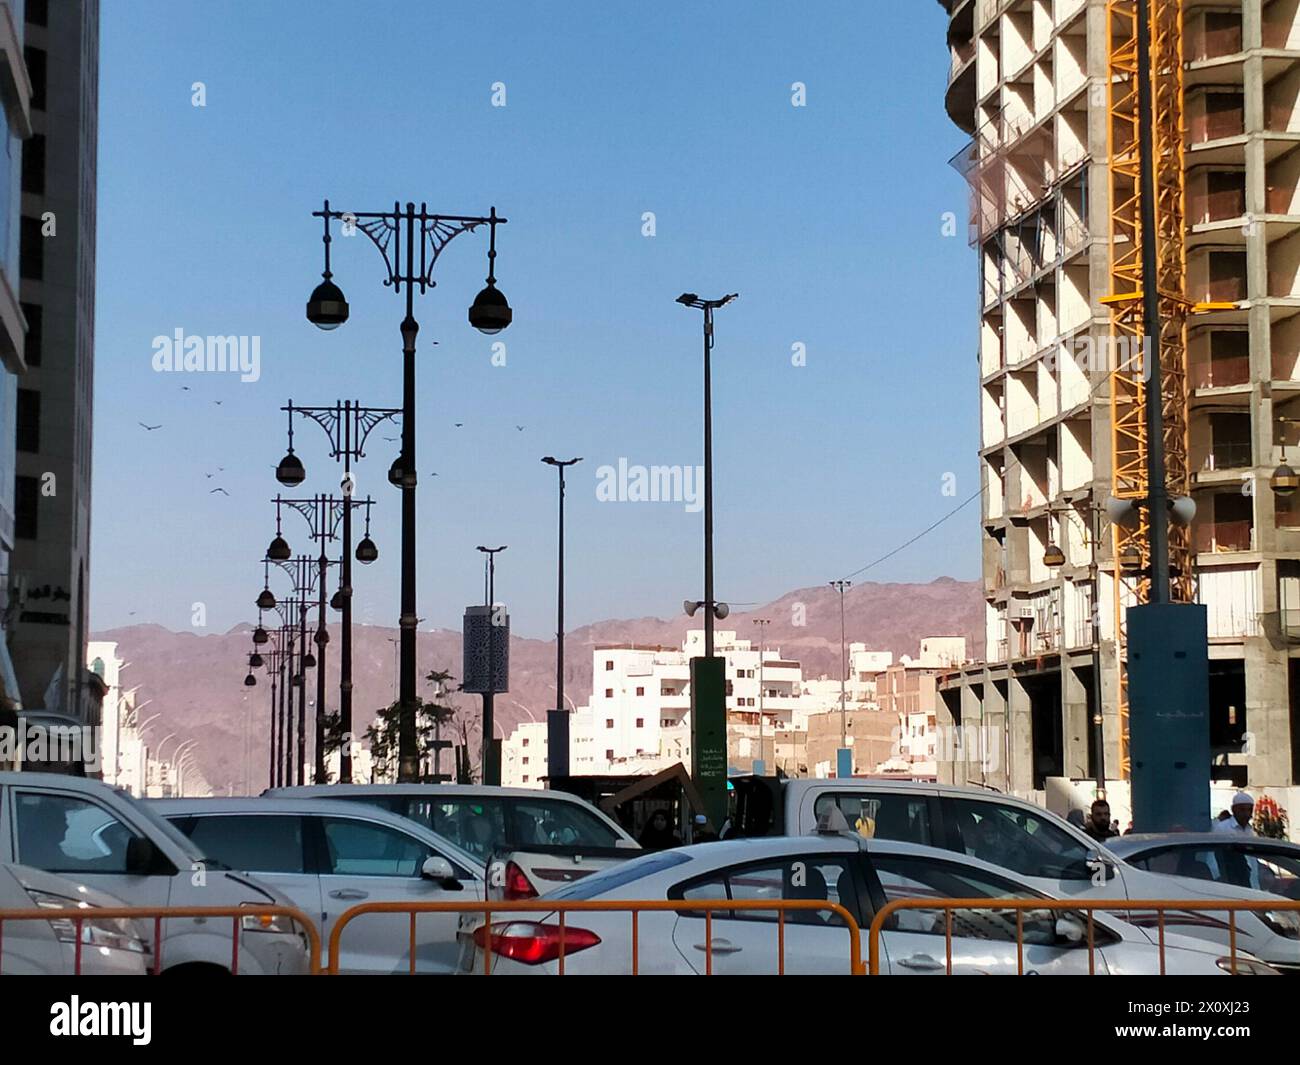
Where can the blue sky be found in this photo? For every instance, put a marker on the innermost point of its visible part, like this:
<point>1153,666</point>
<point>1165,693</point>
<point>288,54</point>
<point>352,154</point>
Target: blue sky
<point>825,218</point>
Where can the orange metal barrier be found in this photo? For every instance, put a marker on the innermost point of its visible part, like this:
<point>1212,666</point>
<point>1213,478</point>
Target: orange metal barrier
<point>160,913</point>
<point>1229,906</point>
<point>633,907</point>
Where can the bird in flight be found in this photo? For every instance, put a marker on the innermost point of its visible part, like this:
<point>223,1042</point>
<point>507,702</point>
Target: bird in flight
<point>520,428</point>
<point>217,402</point>
<point>185,388</point>
<point>458,424</point>
<point>150,428</point>
<point>221,490</point>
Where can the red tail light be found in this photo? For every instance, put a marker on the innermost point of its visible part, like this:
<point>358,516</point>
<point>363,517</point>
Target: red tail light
<point>534,944</point>
<point>517,885</point>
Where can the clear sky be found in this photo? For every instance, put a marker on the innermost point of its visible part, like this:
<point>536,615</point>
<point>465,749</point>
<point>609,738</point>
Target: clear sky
<point>826,218</point>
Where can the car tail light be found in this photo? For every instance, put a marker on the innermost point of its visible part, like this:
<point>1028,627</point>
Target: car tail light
<point>517,884</point>
<point>534,944</point>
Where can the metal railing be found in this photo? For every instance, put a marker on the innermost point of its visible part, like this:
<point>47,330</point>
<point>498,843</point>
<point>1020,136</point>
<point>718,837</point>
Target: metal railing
<point>634,908</point>
<point>1160,906</point>
<point>80,917</point>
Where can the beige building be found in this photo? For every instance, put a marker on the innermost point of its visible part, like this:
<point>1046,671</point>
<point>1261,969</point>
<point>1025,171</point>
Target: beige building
<point>1029,83</point>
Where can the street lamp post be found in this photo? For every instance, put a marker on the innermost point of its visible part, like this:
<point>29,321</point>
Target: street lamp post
<point>842,587</point>
<point>557,720</point>
<point>347,424</point>
<point>395,234</point>
<point>491,763</point>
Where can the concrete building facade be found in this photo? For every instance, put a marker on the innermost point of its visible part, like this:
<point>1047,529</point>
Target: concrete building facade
<point>1028,82</point>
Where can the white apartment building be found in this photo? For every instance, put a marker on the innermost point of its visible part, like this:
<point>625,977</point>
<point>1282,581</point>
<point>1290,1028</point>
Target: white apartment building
<point>523,756</point>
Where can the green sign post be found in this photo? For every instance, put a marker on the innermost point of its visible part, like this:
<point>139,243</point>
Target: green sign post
<point>709,736</point>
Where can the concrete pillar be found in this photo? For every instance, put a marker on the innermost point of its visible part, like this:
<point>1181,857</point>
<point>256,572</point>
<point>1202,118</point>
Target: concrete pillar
<point>1021,737</point>
<point>1077,720</point>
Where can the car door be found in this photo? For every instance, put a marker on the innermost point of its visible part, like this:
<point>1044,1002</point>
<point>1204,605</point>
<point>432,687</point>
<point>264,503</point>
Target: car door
<point>1042,853</point>
<point>746,942</point>
<point>70,833</point>
<point>914,941</point>
<point>365,861</point>
<point>273,847</point>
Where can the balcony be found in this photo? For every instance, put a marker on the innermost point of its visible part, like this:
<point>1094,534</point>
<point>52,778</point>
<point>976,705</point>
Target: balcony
<point>1217,43</point>
<point>1221,372</point>
<point>1221,536</point>
<point>962,53</point>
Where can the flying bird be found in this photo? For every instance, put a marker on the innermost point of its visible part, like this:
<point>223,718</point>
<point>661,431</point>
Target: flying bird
<point>520,428</point>
<point>221,490</point>
<point>217,402</point>
<point>150,428</point>
<point>458,424</point>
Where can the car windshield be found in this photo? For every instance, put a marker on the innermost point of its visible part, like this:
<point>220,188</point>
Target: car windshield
<point>616,876</point>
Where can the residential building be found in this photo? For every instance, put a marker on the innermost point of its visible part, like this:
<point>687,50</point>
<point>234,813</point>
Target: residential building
<point>1031,83</point>
<point>50,574</point>
<point>523,756</point>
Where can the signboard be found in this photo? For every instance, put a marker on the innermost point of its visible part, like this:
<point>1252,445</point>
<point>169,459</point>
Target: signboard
<point>709,735</point>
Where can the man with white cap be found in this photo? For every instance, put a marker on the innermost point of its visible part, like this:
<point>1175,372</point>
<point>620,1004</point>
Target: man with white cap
<point>1243,806</point>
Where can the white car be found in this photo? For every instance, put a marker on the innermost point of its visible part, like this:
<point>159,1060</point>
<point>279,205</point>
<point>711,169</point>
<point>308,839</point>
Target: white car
<point>1044,850</point>
<point>529,842</point>
<point>331,856</point>
<point>102,837</point>
<point>859,875</point>
<point>110,946</point>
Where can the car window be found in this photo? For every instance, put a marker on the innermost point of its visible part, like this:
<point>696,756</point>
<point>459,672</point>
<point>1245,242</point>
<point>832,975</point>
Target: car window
<point>799,877</point>
<point>904,877</point>
<point>362,848</point>
<point>66,834</point>
<point>473,824</point>
<point>556,823</point>
<point>1196,862</point>
<point>1016,838</point>
<point>881,815</point>
<point>256,843</point>
<point>1279,871</point>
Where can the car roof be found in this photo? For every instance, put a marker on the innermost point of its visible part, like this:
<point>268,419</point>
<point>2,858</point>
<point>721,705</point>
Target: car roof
<point>477,790</point>
<point>1137,843</point>
<point>318,807</point>
<point>65,781</point>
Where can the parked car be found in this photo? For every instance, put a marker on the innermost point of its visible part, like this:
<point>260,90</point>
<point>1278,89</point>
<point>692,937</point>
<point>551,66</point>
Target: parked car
<point>1050,854</point>
<point>110,946</point>
<point>102,837</point>
<point>860,875</point>
<point>1271,865</point>
<point>528,842</point>
<point>330,856</point>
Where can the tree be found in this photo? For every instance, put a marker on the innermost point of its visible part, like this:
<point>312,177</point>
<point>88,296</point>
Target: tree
<point>431,717</point>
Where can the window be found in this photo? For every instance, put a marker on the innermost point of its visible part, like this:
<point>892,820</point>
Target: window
<point>910,878</point>
<point>473,824</point>
<point>31,250</point>
<point>28,433</point>
<point>525,742</point>
<point>881,815</point>
<point>609,754</point>
<point>552,823</point>
<point>361,848</point>
<point>640,691</point>
<point>525,779</point>
<point>32,352</point>
<point>1017,839</point>
<point>640,722</point>
<point>525,759</point>
<point>27,492</point>
<point>66,834</point>
<point>609,664</point>
<point>35,58</point>
<point>609,693</point>
<point>34,164</point>
<point>256,843</point>
<point>817,876</point>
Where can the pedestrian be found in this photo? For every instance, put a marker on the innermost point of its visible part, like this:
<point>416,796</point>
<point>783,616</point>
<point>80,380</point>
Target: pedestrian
<point>658,834</point>
<point>1243,806</point>
<point>1099,825</point>
<point>1077,818</point>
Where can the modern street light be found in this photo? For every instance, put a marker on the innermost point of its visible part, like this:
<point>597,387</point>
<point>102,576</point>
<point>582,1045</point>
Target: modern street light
<point>347,425</point>
<point>842,587</point>
<point>557,721</point>
<point>396,234</point>
<point>491,764</point>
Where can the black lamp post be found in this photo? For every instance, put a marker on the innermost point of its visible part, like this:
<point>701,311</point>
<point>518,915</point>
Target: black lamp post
<point>557,720</point>
<point>396,234</point>
<point>347,424</point>
<point>491,763</point>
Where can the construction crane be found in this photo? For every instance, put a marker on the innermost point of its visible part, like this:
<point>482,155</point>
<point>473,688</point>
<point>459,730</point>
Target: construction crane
<point>1129,389</point>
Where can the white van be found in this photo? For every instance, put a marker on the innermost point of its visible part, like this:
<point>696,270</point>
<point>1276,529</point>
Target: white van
<point>102,837</point>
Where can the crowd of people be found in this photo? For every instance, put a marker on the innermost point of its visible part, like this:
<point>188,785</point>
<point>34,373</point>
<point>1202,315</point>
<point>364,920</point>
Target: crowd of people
<point>1098,824</point>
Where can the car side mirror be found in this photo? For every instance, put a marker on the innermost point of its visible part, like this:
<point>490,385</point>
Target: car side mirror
<point>141,856</point>
<point>439,870</point>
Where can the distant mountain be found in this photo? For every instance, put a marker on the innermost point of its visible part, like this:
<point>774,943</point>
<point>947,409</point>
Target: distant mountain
<point>196,682</point>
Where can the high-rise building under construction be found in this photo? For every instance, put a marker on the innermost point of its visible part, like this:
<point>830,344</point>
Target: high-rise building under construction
<point>1046,89</point>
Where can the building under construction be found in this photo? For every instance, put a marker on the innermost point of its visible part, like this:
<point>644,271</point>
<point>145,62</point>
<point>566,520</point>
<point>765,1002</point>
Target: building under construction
<point>1047,90</point>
